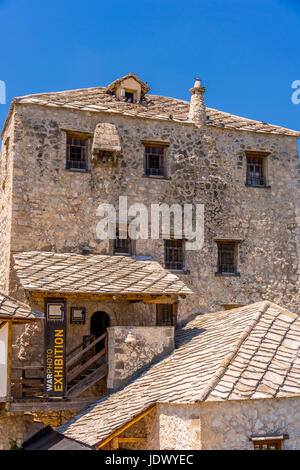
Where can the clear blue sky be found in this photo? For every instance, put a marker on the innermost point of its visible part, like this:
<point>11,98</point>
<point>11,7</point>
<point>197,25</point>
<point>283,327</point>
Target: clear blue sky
<point>247,52</point>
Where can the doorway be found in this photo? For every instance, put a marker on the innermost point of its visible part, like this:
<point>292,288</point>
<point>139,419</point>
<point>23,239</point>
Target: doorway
<point>99,324</point>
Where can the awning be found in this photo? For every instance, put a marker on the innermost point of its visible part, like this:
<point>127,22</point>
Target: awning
<point>106,138</point>
<point>11,309</point>
<point>95,274</point>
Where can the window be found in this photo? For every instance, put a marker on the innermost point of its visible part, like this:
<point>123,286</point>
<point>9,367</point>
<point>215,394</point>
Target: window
<point>122,245</point>
<point>227,257</point>
<point>77,152</point>
<point>129,96</point>
<point>166,314</point>
<point>155,160</point>
<point>174,258</point>
<point>256,170</point>
<point>268,444</point>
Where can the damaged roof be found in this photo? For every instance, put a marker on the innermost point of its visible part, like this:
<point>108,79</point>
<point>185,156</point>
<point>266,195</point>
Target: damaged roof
<point>11,309</point>
<point>94,274</point>
<point>245,353</point>
<point>100,99</point>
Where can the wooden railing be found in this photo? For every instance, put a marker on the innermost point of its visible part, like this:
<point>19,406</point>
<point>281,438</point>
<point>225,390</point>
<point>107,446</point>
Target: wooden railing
<point>78,360</point>
<point>78,363</point>
<point>31,380</point>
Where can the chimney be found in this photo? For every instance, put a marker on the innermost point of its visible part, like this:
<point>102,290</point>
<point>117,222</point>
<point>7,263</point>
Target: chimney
<point>197,112</point>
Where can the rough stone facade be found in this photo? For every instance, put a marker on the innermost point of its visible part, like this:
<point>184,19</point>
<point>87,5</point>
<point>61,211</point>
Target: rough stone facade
<point>46,207</point>
<point>217,425</point>
<point>55,209</point>
<point>131,350</point>
<point>228,425</point>
<point>15,428</point>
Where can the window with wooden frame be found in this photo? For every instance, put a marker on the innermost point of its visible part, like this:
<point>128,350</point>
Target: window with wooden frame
<point>174,254</point>
<point>256,169</point>
<point>77,152</point>
<point>155,160</point>
<point>227,257</point>
<point>268,444</point>
<point>166,314</point>
<point>122,244</point>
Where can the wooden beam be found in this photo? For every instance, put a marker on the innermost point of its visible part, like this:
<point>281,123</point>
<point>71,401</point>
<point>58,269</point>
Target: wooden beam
<point>39,296</point>
<point>126,426</point>
<point>31,404</point>
<point>125,440</point>
<point>9,360</point>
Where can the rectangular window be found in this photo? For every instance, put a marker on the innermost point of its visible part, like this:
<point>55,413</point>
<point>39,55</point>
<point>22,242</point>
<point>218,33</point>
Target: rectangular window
<point>166,314</point>
<point>129,96</point>
<point>122,246</point>
<point>268,444</point>
<point>77,152</point>
<point>256,170</point>
<point>174,254</point>
<point>227,257</point>
<point>155,160</point>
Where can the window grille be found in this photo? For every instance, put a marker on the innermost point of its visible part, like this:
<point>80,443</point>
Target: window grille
<point>77,152</point>
<point>174,254</point>
<point>256,171</point>
<point>122,245</point>
<point>155,160</point>
<point>227,258</point>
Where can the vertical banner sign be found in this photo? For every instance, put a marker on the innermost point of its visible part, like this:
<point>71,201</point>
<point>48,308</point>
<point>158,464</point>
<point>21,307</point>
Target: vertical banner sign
<point>55,348</point>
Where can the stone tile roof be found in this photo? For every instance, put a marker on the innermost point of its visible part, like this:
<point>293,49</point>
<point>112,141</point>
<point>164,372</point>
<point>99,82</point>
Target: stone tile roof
<point>11,309</point>
<point>95,274</point>
<point>241,354</point>
<point>153,106</point>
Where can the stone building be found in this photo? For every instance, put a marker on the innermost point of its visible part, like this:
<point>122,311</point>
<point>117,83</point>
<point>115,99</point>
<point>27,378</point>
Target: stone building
<point>65,153</point>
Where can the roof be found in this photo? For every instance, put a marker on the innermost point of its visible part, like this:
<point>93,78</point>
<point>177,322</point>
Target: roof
<point>144,86</point>
<point>241,354</point>
<point>94,274</point>
<point>99,99</point>
<point>11,309</point>
<point>48,439</point>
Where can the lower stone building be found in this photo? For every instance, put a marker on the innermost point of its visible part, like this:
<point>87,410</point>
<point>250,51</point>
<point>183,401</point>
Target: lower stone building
<point>232,382</point>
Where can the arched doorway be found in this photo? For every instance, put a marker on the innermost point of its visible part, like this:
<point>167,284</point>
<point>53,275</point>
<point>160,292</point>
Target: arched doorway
<point>99,324</point>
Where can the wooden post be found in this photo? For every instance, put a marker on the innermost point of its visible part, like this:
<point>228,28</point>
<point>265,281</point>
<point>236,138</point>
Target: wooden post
<point>115,443</point>
<point>106,346</point>
<point>9,360</point>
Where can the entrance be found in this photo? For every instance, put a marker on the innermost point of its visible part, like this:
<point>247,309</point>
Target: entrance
<point>99,324</point>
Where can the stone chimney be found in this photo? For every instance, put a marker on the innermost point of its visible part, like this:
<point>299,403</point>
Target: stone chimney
<point>197,112</point>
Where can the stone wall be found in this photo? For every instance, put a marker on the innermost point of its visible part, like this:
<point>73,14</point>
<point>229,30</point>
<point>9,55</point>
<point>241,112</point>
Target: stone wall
<point>132,349</point>
<point>228,425</point>
<point>30,339</point>
<point>15,428</point>
<point>6,172</point>
<point>56,208</point>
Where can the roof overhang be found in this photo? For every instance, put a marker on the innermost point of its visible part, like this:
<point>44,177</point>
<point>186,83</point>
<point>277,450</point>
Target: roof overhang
<point>102,277</point>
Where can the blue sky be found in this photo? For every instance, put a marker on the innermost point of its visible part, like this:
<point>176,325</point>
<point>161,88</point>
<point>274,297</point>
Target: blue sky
<point>247,52</point>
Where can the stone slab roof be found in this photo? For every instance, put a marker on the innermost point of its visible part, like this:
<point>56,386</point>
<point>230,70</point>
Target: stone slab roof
<point>94,274</point>
<point>241,354</point>
<point>11,309</point>
<point>153,106</point>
